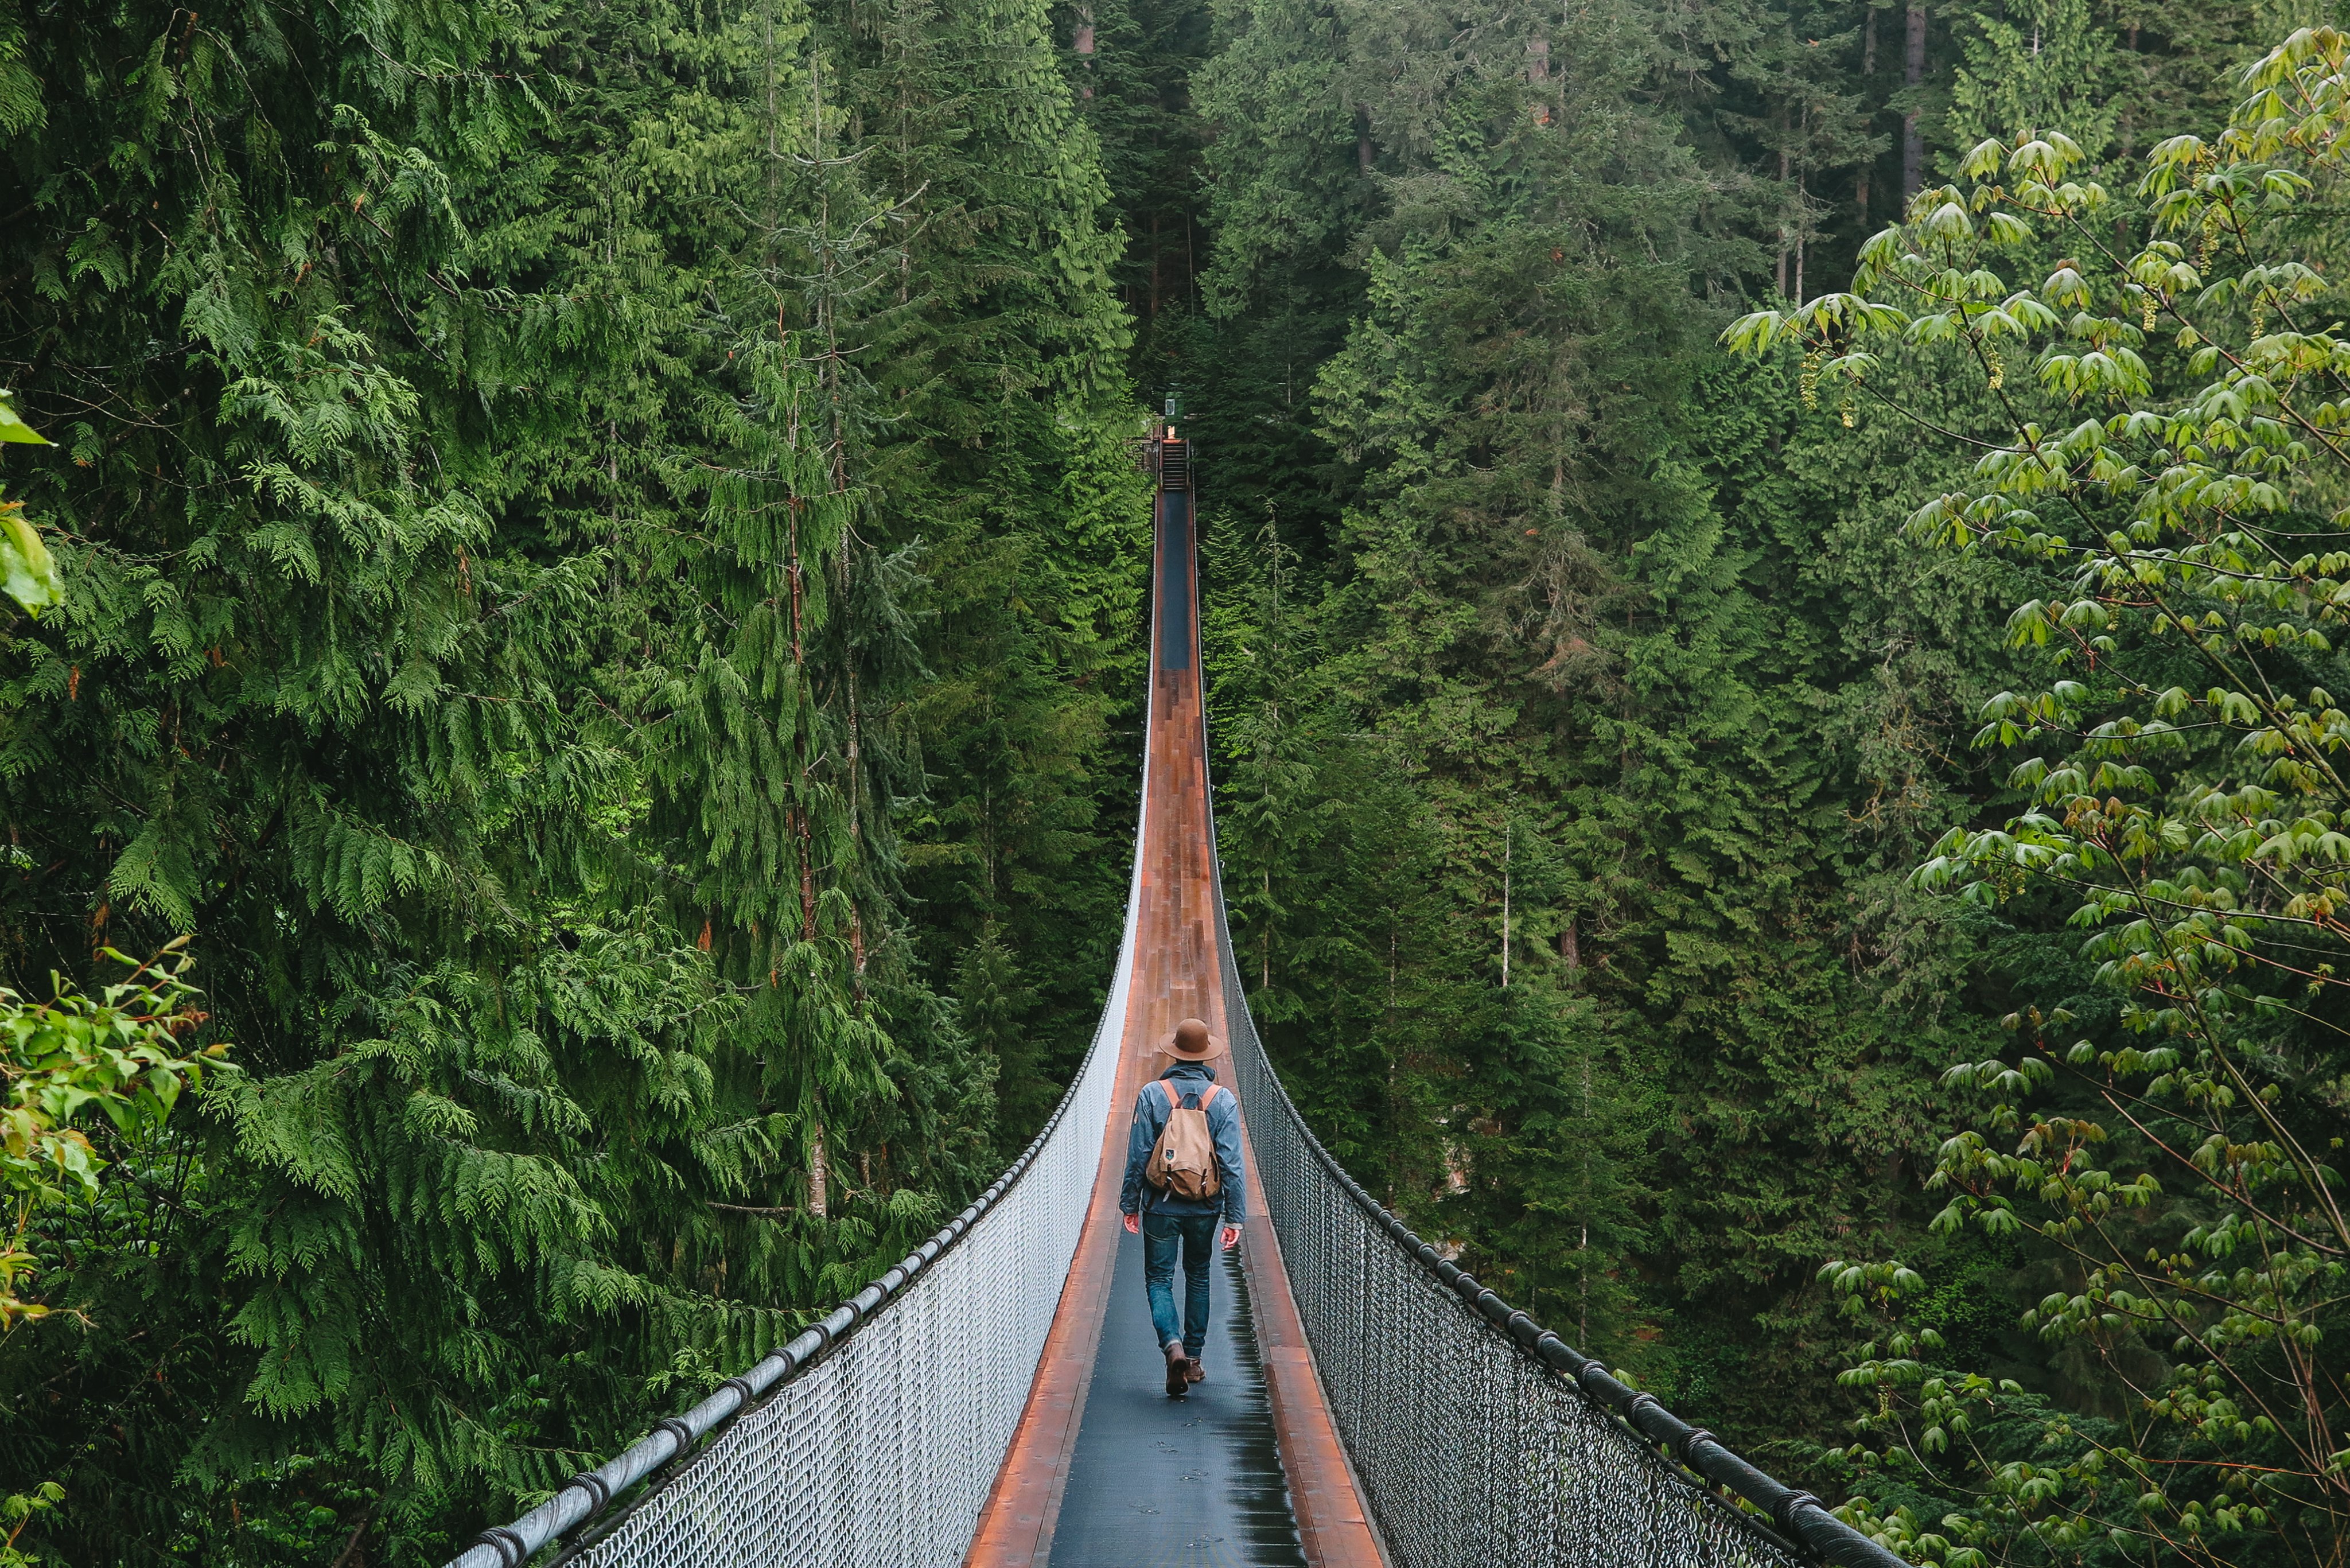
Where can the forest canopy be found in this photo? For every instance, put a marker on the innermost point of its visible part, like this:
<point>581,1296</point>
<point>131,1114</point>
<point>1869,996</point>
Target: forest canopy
<point>570,690</point>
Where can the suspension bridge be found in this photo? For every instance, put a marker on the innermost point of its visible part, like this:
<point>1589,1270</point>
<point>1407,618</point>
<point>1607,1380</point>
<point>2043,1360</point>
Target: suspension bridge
<point>996,1400</point>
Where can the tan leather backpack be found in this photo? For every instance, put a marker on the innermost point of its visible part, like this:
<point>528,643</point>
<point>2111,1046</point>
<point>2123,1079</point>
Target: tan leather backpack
<point>1184,1164</point>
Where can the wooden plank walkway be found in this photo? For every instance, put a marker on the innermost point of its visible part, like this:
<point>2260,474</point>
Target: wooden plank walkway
<point>1233,1511</point>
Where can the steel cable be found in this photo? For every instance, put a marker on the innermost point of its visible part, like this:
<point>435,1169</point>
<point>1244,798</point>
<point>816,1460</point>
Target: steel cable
<point>1477,1437</point>
<point>872,1440</point>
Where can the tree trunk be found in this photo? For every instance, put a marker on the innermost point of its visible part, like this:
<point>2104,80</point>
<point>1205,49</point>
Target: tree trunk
<point>1913,140</point>
<point>1800,194</point>
<point>1868,72</point>
<point>1508,831</point>
<point>819,1174</point>
<point>1785,160</point>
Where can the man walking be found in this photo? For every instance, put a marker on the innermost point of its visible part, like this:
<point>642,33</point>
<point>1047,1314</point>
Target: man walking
<point>1183,1181</point>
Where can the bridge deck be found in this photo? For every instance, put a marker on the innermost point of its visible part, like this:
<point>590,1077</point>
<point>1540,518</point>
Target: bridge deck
<point>1099,1443</point>
<point>1157,1483</point>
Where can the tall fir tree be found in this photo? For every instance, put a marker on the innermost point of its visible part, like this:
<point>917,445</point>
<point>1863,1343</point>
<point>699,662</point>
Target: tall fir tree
<point>498,624</point>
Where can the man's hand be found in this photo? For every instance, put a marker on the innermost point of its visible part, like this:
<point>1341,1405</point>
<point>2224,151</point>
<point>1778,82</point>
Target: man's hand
<point>1134,1224</point>
<point>1230,1238</point>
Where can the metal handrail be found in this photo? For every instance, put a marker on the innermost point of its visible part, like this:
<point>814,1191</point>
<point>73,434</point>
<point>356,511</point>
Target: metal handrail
<point>1653,1489</point>
<point>672,1450</point>
<point>1801,1524</point>
<point>589,1493</point>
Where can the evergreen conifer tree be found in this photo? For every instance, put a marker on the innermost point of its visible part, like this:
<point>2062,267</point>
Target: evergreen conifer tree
<point>491,630</point>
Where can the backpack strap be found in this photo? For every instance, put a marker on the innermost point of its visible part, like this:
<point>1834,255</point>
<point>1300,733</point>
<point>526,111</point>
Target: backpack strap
<point>1175,1100</point>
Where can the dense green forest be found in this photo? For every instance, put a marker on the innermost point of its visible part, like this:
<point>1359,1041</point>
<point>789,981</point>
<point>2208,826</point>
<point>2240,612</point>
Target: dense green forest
<point>598,594</point>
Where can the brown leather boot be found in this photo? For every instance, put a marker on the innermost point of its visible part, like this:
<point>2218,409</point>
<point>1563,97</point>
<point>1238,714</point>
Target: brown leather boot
<point>1179,1370</point>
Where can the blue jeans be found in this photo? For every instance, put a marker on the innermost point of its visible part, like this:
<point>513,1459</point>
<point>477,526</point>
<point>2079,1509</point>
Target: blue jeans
<point>1196,1234</point>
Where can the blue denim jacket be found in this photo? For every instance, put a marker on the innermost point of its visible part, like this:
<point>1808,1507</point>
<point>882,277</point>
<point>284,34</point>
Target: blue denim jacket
<point>1150,1120</point>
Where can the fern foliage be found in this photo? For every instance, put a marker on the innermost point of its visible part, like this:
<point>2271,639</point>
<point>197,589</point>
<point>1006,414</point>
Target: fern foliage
<point>506,461</point>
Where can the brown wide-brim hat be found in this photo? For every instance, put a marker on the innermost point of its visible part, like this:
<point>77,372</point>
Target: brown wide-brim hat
<point>1190,1043</point>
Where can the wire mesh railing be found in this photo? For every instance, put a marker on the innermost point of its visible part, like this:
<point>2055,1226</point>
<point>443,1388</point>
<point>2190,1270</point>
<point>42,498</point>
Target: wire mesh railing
<point>1479,1439</point>
<point>872,1439</point>
<point>1478,1436</point>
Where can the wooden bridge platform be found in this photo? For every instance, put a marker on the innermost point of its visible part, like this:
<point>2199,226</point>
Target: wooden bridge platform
<point>1104,1470</point>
